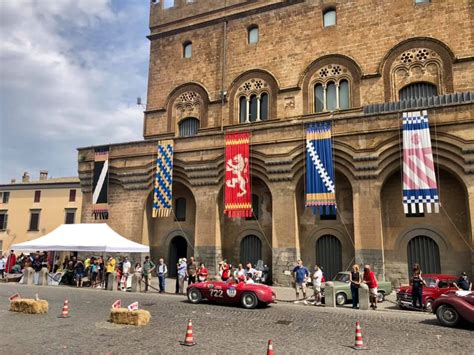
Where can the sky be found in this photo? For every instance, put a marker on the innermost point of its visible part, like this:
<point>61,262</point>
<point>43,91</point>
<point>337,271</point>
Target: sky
<point>70,73</point>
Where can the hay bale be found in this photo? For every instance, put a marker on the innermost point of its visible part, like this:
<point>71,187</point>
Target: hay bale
<point>29,306</point>
<point>124,316</point>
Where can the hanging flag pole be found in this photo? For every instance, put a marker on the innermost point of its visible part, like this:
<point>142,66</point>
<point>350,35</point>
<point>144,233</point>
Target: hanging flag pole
<point>163,184</point>
<point>420,188</point>
<point>238,194</point>
<point>320,183</point>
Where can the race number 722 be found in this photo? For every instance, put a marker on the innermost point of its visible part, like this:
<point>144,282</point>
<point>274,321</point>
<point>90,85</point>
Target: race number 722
<point>217,293</point>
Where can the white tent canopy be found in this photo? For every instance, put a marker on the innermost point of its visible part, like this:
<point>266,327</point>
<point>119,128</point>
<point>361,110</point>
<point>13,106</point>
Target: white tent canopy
<point>93,237</point>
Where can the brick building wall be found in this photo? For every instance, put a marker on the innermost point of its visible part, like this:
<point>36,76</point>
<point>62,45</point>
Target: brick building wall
<point>380,47</point>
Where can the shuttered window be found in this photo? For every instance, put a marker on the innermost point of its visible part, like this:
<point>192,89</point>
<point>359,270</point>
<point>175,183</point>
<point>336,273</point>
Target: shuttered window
<point>34,220</point>
<point>329,255</point>
<point>70,216</point>
<point>3,220</point>
<point>188,127</point>
<point>418,90</point>
<point>424,251</point>
<point>250,249</point>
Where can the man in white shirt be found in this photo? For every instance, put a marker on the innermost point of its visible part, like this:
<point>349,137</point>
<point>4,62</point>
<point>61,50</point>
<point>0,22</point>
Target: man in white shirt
<point>317,277</point>
<point>3,262</point>
<point>125,271</point>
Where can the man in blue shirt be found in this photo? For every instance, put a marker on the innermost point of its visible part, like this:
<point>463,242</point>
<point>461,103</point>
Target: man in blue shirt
<point>300,273</point>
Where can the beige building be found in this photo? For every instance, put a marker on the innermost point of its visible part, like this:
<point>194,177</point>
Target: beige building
<point>270,67</point>
<point>30,209</point>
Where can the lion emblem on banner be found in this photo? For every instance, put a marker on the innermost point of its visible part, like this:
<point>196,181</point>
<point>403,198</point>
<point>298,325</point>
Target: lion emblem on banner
<point>238,165</point>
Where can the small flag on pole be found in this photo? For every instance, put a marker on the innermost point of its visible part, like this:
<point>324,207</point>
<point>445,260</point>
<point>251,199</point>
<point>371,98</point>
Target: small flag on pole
<point>133,306</point>
<point>117,304</point>
<point>14,297</point>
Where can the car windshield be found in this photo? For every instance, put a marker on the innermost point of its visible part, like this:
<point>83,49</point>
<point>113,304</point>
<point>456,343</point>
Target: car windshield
<point>341,277</point>
<point>430,282</point>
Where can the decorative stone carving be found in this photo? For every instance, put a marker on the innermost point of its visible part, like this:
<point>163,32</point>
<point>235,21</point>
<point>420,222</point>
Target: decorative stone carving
<point>188,104</point>
<point>253,86</point>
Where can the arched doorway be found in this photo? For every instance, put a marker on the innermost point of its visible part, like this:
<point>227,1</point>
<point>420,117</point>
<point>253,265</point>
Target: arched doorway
<point>329,255</point>
<point>178,249</point>
<point>424,251</point>
<point>250,249</point>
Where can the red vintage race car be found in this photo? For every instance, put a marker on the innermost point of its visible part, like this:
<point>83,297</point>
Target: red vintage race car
<point>453,307</point>
<point>248,295</point>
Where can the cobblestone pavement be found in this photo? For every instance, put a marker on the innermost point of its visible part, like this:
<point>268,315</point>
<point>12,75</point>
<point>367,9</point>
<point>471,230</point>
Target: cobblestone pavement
<point>294,329</point>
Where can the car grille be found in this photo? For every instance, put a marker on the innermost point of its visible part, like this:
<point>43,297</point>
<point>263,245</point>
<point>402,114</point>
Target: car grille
<point>403,296</point>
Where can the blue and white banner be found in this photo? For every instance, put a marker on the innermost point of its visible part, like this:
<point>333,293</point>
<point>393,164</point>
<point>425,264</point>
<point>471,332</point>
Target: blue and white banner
<point>163,194</point>
<point>320,183</point>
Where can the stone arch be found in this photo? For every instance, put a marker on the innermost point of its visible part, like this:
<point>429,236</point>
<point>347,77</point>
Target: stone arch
<point>162,230</point>
<point>271,87</point>
<point>416,60</point>
<point>349,70</point>
<point>449,229</point>
<point>187,100</point>
<point>236,229</point>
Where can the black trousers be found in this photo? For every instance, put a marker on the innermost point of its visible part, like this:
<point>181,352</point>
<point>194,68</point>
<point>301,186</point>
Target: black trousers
<point>417,297</point>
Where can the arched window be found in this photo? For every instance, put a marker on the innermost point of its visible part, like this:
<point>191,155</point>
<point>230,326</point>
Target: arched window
<point>318,98</point>
<point>329,17</point>
<point>331,96</point>
<point>264,107</point>
<point>424,251</point>
<point>250,249</point>
<point>188,127</point>
<point>344,94</point>
<point>418,90</point>
<point>180,209</point>
<point>187,49</point>
<point>253,108</point>
<point>253,34</point>
<point>329,255</point>
<point>243,109</point>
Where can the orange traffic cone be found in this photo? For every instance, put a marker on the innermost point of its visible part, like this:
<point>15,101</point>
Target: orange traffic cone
<point>270,347</point>
<point>188,340</point>
<point>359,343</point>
<point>65,311</point>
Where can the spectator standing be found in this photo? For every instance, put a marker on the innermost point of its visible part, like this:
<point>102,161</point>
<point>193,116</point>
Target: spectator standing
<point>162,272</point>
<point>371,281</point>
<point>463,283</point>
<point>192,269</point>
<point>94,269</point>
<point>248,279</point>
<point>300,273</point>
<point>79,272</point>
<point>148,267</point>
<point>182,266</point>
<point>225,271</point>
<point>125,272</point>
<point>354,278</point>
<point>240,273</point>
<point>203,273</point>
<point>3,263</point>
<point>317,277</point>
<point>417,284</point>
<point>57,264</point>
<point>250,269</point>
<point>11,261</point>
<point>109,268</point>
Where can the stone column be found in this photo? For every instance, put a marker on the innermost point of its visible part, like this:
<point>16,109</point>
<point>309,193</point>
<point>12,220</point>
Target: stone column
<point>112,282</point>
<point>207,237</point>
<point>368,238</point>
<point>43,277</point>
<point>28,276</point>
<point>136,281</point>
<point>363,297</point>
<point>285,231</point>
<point>329,295</point>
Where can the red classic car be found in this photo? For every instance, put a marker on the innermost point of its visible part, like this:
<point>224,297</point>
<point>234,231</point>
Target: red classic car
<point>453,307</point>
<point>436,285</point>
<point>248,295</point>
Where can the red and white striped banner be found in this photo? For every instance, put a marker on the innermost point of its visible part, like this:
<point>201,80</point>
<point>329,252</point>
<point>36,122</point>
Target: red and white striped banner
<point>117,304</point>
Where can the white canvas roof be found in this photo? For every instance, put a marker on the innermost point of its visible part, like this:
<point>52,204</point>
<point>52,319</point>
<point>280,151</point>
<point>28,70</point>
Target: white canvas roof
<point>83,237</point>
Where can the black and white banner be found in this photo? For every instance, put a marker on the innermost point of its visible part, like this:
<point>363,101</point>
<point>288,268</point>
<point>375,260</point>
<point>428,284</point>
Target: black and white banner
<point>100,183</point>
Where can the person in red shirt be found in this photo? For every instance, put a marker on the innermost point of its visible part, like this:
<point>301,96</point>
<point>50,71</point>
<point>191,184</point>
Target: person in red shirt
<point>371,281</point>
<point>11,261</point>
<point>225,271</point>
<point>202,273</point>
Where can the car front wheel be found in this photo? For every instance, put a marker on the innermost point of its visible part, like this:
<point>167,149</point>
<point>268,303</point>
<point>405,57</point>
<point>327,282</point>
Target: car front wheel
<point>341,299</point>
<point>447,315</point>
<point>249,300</point>
<point>429,305</point>
<point>194,295</point>
<point>380,297</point>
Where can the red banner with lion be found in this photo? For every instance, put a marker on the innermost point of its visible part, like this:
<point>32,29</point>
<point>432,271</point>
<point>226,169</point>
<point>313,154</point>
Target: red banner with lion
<point>238,197</point>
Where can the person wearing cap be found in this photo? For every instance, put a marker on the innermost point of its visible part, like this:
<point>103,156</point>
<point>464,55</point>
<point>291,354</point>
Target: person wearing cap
<point>148,267</point>
<point>463,283</point>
